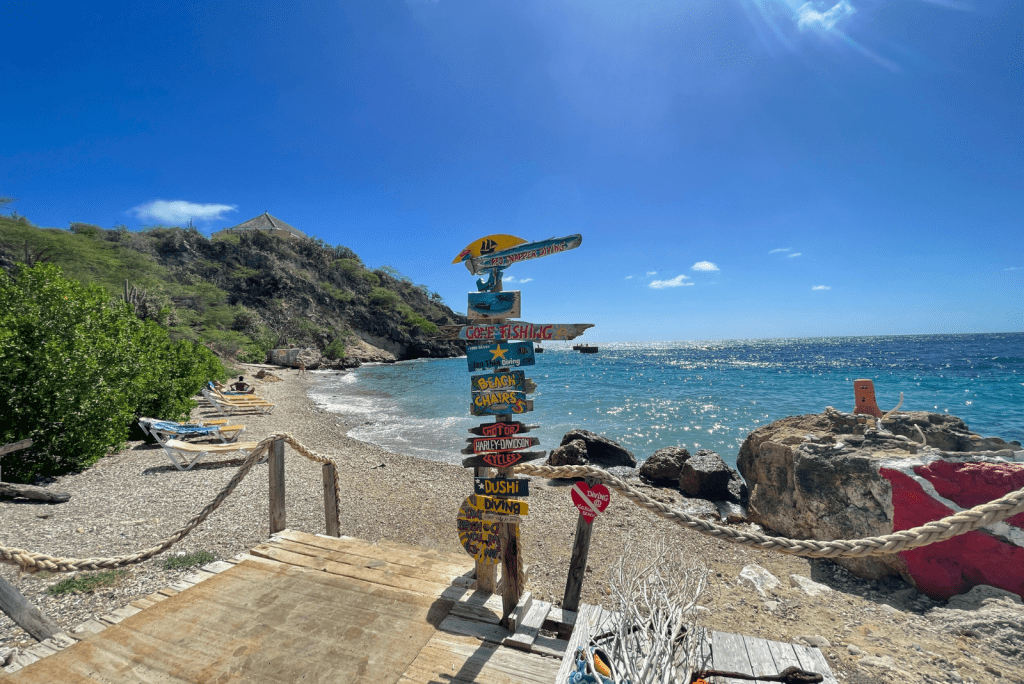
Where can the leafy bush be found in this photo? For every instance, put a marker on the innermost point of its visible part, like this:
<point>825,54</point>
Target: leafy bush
<point>415,320</point>
<point>76,369</point>
<point>383,297</point>
<point>336,349</point>
<point>86,229</point>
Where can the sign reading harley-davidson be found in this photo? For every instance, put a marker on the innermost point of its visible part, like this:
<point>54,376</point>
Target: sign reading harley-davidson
<point>502,459</point>
<point>486,444</point>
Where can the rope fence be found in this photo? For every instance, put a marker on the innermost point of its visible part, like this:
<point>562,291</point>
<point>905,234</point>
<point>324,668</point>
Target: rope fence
<point>939,530</point>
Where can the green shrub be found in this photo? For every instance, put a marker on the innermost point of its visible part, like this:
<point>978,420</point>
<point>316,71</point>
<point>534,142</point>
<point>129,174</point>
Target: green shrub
<point>415,320</point>
<point>76,369</point>
<point>189,560</point>
<point>86,229</point>
<point>336,349</point>
<point>370,278</point>
<point>87,583</point>
<point>383,297</point>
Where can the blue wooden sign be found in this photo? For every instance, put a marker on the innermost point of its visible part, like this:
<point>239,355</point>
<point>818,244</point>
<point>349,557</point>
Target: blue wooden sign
<point>513,380</point>
<point>481,357</point>
<point>500,403</point>
<point>487,306</point>
<point>530,250</point>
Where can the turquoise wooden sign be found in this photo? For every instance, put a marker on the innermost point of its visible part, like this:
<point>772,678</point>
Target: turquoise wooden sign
<point>500,403</point>
<point>486,306</point>
<point>482,357</point>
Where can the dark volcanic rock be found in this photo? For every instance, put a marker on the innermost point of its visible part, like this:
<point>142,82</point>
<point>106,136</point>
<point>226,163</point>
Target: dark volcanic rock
<point>664,465</point>
<point>706,476</point>
<point>601,451</point>
<point>573,453</point>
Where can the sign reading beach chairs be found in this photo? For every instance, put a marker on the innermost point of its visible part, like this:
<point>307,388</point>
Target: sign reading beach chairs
<point>488,521</point>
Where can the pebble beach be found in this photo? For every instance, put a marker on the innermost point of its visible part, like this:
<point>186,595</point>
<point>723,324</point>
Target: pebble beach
<point>129,500</point>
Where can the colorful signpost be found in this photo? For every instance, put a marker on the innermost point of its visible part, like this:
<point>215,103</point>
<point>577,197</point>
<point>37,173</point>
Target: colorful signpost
<point>514,330</point>
<point>499,355</point>
<point>489,306</point>
<point>489,520</point>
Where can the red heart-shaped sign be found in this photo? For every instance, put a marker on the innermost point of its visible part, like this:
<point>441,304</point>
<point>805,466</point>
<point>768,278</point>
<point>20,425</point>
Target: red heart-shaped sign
<point>590,500</point>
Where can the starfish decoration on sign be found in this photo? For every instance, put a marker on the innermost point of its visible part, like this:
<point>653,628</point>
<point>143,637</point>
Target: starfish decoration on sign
<point>498,352</point>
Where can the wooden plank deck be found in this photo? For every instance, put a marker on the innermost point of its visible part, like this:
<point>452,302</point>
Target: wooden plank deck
<point>310,608</point>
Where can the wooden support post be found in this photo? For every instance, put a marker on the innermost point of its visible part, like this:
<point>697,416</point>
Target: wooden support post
<point>277,520</point>
<point>578,563</point>
<point>486,573</point>
<point>511,561</point>
<point>24,614</point>
<point>331,502</point>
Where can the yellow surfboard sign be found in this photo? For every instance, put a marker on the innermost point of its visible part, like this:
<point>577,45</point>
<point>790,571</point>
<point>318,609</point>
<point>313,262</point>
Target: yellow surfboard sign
<point>486,245</point>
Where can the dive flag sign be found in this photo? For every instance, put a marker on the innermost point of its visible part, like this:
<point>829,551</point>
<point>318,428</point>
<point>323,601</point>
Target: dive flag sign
<point>480,357</point>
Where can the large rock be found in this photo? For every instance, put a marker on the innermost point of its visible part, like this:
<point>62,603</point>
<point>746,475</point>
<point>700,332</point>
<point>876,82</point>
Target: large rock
<point>601,451</point>
<point>831,477</point>
<point>987,613</point>
<point>573,453</point>
<point>706,476</point>
<point>664,465</point>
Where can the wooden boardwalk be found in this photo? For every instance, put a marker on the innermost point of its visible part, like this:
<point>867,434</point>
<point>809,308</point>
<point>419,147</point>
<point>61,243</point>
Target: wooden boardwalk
<point>312,608</point>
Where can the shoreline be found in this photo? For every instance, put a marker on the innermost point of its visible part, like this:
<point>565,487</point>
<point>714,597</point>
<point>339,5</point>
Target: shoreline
<point>131,499</point>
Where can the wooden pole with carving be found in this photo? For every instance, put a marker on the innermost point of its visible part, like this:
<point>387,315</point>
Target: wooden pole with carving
<point>578,563</point>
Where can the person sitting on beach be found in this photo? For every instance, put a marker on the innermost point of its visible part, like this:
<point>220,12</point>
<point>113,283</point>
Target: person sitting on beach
<point>241,386</point>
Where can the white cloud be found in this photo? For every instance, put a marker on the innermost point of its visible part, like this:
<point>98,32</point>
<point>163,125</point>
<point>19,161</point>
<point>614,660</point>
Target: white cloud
<point>704,266</point>
<point>1012,268</point>
<point>822,287</point>
<point>794,254</point>
<point>675,282</point>
<point>628,277</point>
<point>652,273</point>
<point>780,249</point>
<point>809,17</point>
<point>526,280</point>
<point>180,211</point>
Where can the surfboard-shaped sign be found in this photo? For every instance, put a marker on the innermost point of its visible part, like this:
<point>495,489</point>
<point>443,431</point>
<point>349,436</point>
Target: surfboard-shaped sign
<point>529,250</point>
<point>486,306</point>
<point>502,459</point>
<point>514,330</point>
<point>503,403</point>
<point>502,429</point>
<point>481,357</point>
<point>513,380</point>
<point>488,245</point>
<point>484,445</point>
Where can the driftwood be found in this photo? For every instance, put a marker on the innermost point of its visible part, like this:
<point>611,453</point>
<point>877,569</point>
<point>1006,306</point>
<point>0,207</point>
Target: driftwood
<point>30,492</point>
<point>24,614</point>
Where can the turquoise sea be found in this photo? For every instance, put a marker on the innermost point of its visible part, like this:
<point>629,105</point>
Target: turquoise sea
<point>701,395</point>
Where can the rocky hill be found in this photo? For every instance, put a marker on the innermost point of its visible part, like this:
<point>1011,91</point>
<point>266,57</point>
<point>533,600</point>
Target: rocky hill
<point>244,295</point>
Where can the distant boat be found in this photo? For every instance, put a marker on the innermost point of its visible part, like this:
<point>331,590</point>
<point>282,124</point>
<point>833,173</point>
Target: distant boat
<point>538,349</point>
<point>585,348</point>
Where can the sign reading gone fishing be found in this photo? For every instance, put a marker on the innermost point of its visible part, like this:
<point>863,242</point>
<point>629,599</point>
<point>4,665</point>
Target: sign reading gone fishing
<point>514,330</point>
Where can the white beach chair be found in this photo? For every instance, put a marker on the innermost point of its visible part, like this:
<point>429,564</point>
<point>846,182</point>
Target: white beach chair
<point>227,407</point>
<point>185,455</point>
<point>163,430</point>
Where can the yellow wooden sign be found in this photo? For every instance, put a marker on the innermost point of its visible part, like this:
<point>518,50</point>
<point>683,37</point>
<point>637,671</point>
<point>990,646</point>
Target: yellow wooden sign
<point>490,504</point>
<point>488,245</point>
<point>478,536</point>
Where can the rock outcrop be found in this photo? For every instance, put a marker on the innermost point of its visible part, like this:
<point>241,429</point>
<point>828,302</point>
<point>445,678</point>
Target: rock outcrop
<point>601,451</point>
<point>664,465</point>
<point>987,613</point>
<point>706,476</point>
<point>573,453</point>
<point>835,476</point>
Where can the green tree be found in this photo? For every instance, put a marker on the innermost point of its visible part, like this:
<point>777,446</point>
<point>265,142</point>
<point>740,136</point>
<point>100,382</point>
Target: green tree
<point>77,368</point>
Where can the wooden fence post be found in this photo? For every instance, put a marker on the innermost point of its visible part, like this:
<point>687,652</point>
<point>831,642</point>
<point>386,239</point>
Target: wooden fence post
<point>578,564</point>
<point>486,573</point>
<point>24,614</point>
<point>331,502</point>
<point>277,520</point>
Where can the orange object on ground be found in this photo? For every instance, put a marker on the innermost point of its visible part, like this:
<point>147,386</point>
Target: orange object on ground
<point>864,395</point>
<point>601,667</point>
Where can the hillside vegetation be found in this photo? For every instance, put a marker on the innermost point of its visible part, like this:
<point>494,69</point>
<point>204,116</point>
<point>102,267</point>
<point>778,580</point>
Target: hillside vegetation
<point>244,295</point>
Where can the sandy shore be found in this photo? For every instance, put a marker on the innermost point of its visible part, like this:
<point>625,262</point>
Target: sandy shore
<point>133,498</point>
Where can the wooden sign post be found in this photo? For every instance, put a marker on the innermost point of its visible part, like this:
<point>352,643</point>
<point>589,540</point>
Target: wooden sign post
<point>497,347</point>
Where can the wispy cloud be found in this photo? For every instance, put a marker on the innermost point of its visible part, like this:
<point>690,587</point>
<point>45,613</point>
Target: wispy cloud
<point>780,249</point>
<point>652,273</point>
<point>952,4</point>
<point>180,211</point>
<point>809,17</point>
<point>822,287</point>
<point>794,254</point>
<point>628,277</point>
<point>1012,268</point>
<point>526,280</point>
<point>675,282</point>
<point>704,266</point>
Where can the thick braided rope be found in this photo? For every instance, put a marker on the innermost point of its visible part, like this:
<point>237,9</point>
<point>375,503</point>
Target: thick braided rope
<point>32,562</point>
<point>932,532</point>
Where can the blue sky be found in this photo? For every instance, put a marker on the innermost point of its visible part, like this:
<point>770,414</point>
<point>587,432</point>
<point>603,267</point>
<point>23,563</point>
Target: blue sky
<point>737,168</point>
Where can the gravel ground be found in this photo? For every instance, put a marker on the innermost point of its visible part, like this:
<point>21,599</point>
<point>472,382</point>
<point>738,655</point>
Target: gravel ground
<point>875,631</point>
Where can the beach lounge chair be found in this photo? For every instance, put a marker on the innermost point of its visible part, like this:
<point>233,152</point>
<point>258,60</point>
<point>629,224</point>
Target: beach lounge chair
<point>219,388</point>
<point>162,430</point>
<point>185,455</point>
<point>237,398</point>
<point>227,407</point>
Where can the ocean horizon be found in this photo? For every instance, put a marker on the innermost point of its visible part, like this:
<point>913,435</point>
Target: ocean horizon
<point>699,395</point>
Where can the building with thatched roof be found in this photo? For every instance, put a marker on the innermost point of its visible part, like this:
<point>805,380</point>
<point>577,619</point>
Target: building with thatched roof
<point>264,223</point>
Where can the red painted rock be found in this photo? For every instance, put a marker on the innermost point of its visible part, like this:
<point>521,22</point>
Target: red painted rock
<point>590,500</point>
